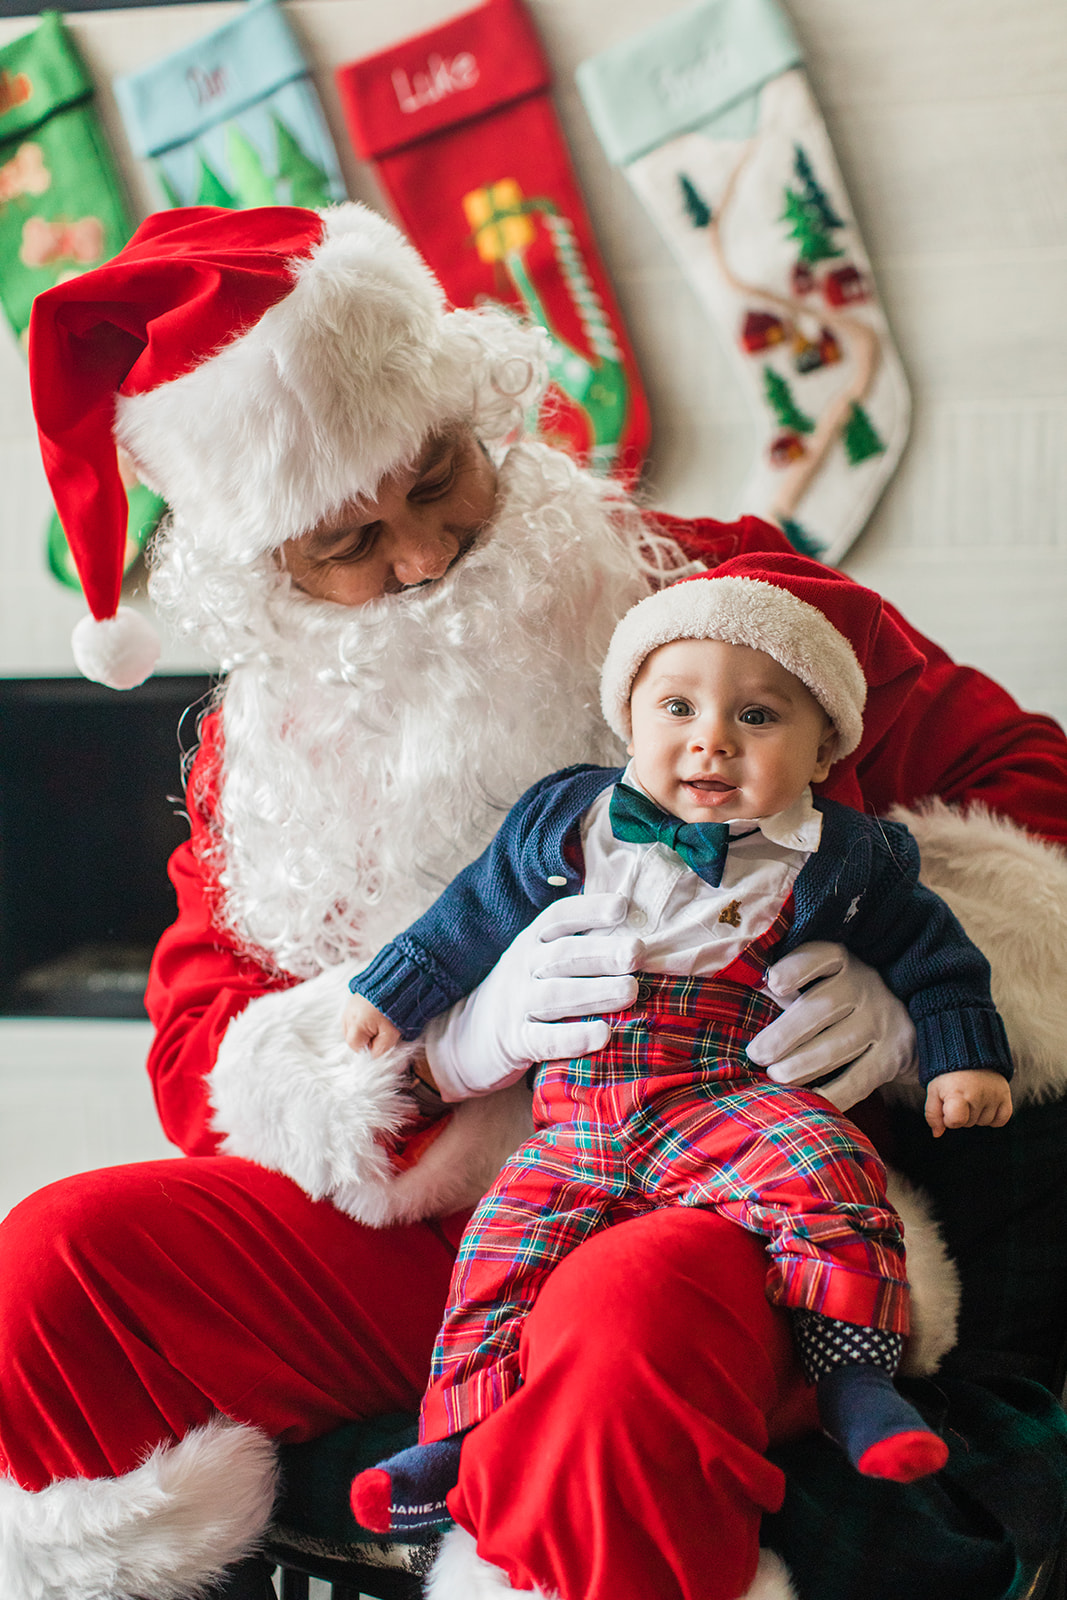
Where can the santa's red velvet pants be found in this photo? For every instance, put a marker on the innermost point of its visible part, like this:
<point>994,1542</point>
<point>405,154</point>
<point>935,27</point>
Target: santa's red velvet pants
<point>138,1301</point>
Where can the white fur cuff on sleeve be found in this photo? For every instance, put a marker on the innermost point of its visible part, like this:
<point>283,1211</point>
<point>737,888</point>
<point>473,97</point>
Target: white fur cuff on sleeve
<point>290,1095</point>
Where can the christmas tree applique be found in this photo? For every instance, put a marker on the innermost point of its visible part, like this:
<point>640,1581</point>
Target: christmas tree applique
<point>788,445</point>
<point>696,207</point>
<point>861,437</point>
<point>780,398</point>
<point>210,190</point>
<point>298,181</point>
<point>813,222</point>
<point>812,219</point>
<point>308,183</point>
<point>252,184</point>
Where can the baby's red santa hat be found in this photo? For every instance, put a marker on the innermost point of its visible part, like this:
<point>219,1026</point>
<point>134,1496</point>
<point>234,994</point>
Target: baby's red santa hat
<point>262,368</point>
<point>817,623</point>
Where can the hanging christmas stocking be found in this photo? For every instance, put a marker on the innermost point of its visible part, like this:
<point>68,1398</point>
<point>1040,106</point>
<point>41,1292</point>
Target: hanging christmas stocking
<point>234,120</point>
<point>470,153</point>
<point>711,115</point>
<point>62,208</point>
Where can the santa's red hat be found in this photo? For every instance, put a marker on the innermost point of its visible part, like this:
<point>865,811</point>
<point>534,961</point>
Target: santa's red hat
<point>814,621</point>
<point>261,367</point>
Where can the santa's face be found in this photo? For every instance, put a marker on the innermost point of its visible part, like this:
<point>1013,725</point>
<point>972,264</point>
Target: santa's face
<point>423,519</point>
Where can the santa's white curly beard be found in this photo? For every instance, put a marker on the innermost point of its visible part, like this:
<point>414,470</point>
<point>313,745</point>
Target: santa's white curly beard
<point>371,753</point>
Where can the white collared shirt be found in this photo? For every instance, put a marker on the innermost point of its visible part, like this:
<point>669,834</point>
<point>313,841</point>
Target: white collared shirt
<point>687,926</point>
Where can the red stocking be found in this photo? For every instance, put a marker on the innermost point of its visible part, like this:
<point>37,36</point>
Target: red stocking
<point>467,146</point>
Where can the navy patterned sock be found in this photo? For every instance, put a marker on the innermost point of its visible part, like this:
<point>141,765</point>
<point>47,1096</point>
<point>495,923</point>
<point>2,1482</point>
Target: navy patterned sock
<point>406,1492</point>
<point>852,1368</point>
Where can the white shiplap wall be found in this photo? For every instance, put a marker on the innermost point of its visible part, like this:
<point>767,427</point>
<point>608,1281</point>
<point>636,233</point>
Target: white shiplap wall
<point>949,118</point>
<point>73,1095</point>
<point>950,122</point>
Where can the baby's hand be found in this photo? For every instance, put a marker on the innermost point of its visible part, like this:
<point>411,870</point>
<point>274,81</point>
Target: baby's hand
<point>973,1099</point>
<point>366,1029</point>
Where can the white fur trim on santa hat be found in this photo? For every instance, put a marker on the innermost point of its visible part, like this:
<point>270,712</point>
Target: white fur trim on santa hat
<point>763,616</point>
<point>335,386</point>
<point>459,1573</point>
<point>290,1095</point>
<point>166,1529</point>
<point>121,651</point>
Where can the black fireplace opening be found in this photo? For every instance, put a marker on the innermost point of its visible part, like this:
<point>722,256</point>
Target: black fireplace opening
<point>90,809</point>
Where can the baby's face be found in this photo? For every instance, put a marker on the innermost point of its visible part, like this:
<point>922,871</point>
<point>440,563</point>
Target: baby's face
<point>722,732</point>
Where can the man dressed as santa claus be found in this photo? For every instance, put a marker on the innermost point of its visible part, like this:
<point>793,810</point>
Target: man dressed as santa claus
<point>410,604</point>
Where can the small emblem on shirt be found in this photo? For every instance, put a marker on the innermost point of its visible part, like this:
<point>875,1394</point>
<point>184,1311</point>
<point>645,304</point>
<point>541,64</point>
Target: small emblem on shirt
<point>854,906</point>
<point>556,882</point>
<point>731,914</point>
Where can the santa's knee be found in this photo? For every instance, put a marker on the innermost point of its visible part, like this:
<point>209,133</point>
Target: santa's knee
<point>69,1248</point>
<point>50,1249</point>
<point>85,1390</point>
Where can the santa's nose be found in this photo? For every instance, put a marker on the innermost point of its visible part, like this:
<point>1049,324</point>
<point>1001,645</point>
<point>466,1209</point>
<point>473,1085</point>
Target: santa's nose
<point>422,554</point>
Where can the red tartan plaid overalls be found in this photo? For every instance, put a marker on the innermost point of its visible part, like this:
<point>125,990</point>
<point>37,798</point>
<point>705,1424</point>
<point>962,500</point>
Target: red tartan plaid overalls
<point>670,1112</point>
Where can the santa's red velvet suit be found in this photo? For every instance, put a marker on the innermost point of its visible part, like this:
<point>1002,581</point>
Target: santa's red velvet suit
<point>162,1326</point>
<point>254,1302</point>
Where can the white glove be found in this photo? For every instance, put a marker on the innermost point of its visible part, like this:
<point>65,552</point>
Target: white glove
<point>566,964</point>
<point>844,1015</point>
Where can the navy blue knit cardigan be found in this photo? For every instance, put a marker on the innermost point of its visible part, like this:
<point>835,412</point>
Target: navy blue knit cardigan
<point>861,888</point>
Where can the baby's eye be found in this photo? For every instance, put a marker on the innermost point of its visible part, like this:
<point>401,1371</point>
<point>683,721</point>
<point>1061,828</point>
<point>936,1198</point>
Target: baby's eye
<point>755,716</point>
<point>679,707</point>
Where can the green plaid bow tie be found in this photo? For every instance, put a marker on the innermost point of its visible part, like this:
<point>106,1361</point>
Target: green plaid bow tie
<point>701,845</point>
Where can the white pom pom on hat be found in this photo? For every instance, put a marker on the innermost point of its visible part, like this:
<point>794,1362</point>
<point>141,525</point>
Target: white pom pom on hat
<point>812,620</point>
<point>119,651</point>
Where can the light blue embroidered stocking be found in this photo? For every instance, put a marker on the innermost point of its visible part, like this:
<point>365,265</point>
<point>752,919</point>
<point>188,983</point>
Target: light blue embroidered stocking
<point>234,119</point>
<point>712,118</point>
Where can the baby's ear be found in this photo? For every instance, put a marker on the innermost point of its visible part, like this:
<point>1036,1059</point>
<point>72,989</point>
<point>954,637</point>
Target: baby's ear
<point>826,754</point>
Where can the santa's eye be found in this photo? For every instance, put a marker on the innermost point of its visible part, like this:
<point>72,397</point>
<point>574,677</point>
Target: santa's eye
<point>755,716</point>
<point>677,707</point>
<point>359,544</point>
<point>436,484</point>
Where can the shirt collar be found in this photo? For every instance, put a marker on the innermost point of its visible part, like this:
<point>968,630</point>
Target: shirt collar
<point>798,827</point>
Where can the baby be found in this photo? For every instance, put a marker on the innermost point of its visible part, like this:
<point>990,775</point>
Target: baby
<point>735,691</point>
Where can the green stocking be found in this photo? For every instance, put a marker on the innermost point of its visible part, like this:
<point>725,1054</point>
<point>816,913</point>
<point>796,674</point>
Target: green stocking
<point>62,208</point>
